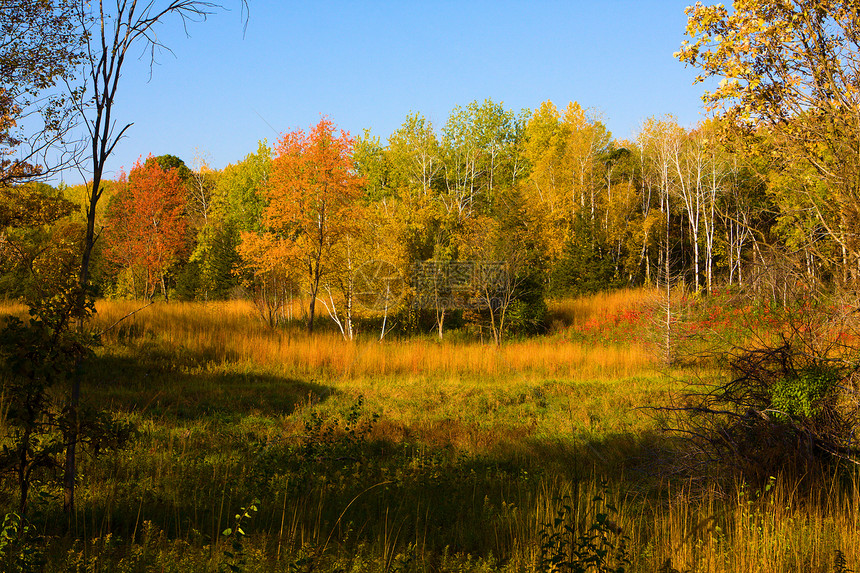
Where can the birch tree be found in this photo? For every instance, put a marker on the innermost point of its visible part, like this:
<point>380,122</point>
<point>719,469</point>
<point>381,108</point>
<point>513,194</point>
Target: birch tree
<point>789,69</point>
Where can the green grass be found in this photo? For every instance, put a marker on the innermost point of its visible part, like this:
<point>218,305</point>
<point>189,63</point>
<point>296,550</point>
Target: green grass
<point>457,461</point>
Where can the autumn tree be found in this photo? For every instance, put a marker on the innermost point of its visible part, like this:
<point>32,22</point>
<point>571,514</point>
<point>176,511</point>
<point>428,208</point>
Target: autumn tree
<point>186,273</point>
<point>37,243</point>
<point>689,156</point>
<point>789,73</point>
<point>239,198</point>
<point>202,183</point>
<point>744,206</point>
<point>415,155</point>
<point>506,254</point>
<point>586,140</point>
<point>239,204</point>
<point>415,159</point>
<point>568,154</point>
<point>544,152</point>
<point>623,213</point>
<point>380,278</point>
<point>461,152</point>
<point>146,226</point>
<point>657,140</point>
<point>372,161</point>
<point>40,46</point>
<point>345,257</point>
<point>480,151</point>
<point>268,267</point>
<point>311,190</point>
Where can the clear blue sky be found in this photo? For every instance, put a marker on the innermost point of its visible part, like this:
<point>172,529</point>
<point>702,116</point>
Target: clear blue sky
<point>367,64</point>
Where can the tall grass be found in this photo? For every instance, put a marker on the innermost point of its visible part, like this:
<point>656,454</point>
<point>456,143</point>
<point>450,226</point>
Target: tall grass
<point>230,332</point>
<point>573,312</point>
<point>773,529</point>
<point>474,453</point>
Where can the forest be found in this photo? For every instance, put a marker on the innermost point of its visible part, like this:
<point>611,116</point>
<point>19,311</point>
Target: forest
<point>510,342</point>
<point>551,193</point>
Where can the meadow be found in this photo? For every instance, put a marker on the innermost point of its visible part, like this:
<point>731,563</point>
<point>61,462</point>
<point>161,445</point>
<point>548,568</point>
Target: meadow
<point>259,449</point>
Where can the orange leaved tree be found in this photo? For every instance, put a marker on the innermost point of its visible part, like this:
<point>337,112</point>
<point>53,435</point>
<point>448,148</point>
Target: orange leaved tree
<point>312,192</point>
<point>146,229</point>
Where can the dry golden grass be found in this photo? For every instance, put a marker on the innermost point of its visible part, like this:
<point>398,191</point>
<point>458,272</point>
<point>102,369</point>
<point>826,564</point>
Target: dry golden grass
<point>231,331</point>
<point>760,531</point>
<point>576,311</point>
<point>479,399</point>
<point>12,307</point>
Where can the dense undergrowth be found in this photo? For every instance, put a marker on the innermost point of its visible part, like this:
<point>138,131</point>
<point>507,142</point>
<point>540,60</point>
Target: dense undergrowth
<point>261,450</point>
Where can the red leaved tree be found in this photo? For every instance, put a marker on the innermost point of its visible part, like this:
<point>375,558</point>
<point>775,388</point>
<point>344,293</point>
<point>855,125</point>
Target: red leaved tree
<point>146,225</point>
<point>312,192</point>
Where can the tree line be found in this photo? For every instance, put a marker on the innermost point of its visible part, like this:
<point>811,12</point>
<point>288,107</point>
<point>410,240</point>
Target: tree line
<point>760,196</point>
<point>549,191</point>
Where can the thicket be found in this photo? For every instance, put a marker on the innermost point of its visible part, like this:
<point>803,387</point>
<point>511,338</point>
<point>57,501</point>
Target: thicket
<point>785,398</point>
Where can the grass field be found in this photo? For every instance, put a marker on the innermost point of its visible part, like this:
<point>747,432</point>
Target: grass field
<point>414,455</point>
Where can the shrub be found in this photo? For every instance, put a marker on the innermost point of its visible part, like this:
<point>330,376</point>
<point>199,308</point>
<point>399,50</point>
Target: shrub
<point>788,401</point>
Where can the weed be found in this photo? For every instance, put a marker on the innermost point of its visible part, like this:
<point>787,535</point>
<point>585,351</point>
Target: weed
<point>235,556</point>
<point>570,546</point>
<point>20,546</point>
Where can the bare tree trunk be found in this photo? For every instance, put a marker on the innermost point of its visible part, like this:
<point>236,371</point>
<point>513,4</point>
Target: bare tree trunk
<point>113,33</point>
<point>314,267</point>
<point>440,319</point>
<point>668,333</point>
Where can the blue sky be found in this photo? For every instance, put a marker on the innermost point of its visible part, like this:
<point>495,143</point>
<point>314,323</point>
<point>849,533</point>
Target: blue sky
<point>367,64</point>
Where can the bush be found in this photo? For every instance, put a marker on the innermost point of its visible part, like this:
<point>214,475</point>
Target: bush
<point>788,401</point>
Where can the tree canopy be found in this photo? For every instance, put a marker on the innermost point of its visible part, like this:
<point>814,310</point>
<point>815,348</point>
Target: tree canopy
<point>789,79</point>
<point>40,47</point>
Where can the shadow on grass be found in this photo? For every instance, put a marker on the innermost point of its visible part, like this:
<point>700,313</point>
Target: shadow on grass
<point>156,384</point>
<point>363,491</point>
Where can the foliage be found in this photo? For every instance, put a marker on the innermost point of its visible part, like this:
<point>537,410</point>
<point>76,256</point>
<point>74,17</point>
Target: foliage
<point>806,395</point>
<point>789,83</point>
<point>414,154</point>
<point>312,192</point>
<point>35,358</point>
<point>585,267</point>
<point>213,265</point>
<point>236,558</point>
<point>237,205</point>
<point>40,45</point>
<point>39,248</point>
<point>240,197</point>
<point>146,226</point>
<point>571,544</point>
<point>20,546</point>
<point>32,205</point>
<point>480,155</point>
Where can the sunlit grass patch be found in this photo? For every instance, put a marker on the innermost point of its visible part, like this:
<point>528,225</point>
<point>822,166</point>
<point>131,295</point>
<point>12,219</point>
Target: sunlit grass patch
<point>230,332</point>
<point>576,311</point>
<point>412,454</point>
